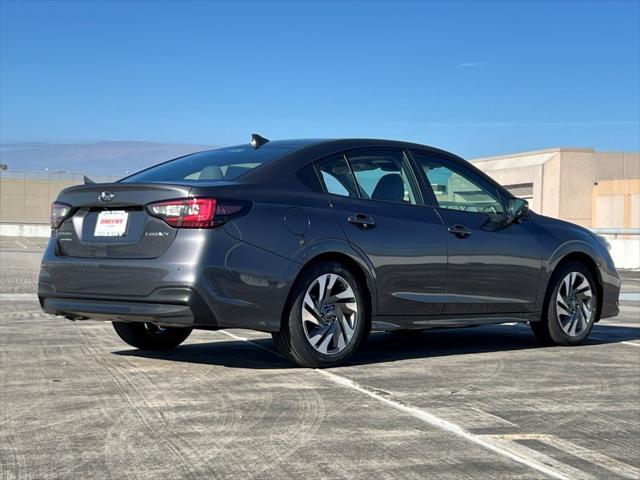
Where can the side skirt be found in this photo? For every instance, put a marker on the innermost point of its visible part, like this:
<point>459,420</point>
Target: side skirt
<point>410,322</point>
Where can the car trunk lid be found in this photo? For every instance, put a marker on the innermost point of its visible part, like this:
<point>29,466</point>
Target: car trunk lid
<point>111,221</point>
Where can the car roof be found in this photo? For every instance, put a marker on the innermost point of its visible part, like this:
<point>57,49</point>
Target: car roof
<point>299,143</point>
<point>305,151</point>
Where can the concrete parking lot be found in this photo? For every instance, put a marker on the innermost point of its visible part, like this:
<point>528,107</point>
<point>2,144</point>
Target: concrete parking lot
<point>485,402</point>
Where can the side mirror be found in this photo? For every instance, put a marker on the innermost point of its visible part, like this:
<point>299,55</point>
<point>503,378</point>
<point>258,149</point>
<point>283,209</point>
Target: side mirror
<point>517,208</point>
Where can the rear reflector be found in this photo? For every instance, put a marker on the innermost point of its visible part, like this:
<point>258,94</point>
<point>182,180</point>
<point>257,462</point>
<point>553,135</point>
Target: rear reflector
<point>59,211</point>
<point>186,212</point>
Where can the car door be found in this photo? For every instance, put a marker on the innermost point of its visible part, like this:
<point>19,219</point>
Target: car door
<point>493,265</point>
<point>378,205</point>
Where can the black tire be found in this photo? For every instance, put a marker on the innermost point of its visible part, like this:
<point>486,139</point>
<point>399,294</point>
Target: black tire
<point>548,330</point>
<point>147,336</point>
<point>292,341</point>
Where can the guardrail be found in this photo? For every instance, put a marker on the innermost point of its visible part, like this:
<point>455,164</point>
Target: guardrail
<point>616,231</point>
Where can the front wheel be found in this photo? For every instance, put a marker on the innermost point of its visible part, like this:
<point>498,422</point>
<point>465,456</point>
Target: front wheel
<point>327,319</point>
<point>571,308</point>
<point>148,336</point>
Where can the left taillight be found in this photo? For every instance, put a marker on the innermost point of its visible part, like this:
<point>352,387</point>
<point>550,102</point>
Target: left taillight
<point>59,211</point>
<point>186,212</point>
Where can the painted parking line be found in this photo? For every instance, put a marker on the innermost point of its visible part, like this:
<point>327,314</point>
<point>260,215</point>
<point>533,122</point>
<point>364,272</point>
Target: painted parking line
<point>630,296</point>
<point>486,442</point>
<point>18,297</point>
<point>615,466</point>
<point>609,340</point>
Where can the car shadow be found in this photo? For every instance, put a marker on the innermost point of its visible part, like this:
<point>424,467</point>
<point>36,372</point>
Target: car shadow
<point>380,347</point>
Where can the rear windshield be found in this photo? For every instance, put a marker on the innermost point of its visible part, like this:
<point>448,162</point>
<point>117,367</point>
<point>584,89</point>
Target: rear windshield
<point>223,164</point>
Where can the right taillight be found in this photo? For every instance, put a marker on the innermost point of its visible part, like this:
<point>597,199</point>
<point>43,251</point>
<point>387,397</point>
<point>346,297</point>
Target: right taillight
<point>59,211</point>
<point>195,212</point>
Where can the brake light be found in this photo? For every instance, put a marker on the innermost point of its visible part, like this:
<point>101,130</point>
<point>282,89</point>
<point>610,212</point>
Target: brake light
<point>59,211</point>
<point>186,212</point>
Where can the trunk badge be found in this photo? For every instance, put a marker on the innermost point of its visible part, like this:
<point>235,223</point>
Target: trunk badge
<point>106,196</point>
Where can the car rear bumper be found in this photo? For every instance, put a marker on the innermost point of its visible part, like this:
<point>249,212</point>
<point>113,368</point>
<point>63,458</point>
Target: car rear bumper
<point>207,279</point>
<point>176,307</point>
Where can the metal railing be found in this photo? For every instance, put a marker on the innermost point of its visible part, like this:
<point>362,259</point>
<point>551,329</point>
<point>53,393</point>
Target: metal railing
<point>616,231</point>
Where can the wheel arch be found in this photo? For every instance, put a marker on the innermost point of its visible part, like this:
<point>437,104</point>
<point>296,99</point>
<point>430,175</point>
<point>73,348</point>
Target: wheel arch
<point>585,259</point>
<point>355,264</point>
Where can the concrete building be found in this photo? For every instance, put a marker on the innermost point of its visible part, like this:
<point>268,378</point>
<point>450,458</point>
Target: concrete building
<point>590,188</point>
<point>598,190</point>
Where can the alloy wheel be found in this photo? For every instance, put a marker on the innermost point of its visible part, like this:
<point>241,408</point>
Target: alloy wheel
<point>574,304</point>
<point>329,314</point>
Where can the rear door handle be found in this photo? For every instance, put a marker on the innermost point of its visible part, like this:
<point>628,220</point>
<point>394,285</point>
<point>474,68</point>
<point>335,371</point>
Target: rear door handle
<point>361,220</point>
<point>459,231</point>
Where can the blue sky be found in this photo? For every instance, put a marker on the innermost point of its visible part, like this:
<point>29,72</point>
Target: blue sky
<point>477,78</point>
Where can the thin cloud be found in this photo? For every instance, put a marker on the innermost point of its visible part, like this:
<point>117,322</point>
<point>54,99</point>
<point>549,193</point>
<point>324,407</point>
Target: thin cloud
<point>473,65</point>
<point>597,123</point>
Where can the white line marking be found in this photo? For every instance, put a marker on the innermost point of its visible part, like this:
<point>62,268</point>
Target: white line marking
<point>428,418</point>
<point>611,464</point>
<point>608,340</point>
<point>445,425</point>
<point>494,416</point>
<point>630,296</point>
<point>18,297</point>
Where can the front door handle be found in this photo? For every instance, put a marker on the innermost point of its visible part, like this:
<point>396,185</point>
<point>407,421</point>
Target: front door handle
<point>361,220</point>
<point>460,231</point>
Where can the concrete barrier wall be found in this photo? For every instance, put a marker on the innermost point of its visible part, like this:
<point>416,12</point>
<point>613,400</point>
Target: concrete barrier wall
<point>625,252</point>
<point>25,230</point>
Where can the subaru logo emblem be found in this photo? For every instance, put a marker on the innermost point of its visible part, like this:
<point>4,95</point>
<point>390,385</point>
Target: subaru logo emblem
<point>106,196</point>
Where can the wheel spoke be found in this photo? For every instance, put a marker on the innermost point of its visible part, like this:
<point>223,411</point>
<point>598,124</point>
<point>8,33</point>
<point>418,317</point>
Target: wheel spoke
<point>346,328</point>
<point>583,320</point>
<point>310,311</point>
<point>561,310</point>
<point>318,334</point>
<point>323,345</point>
<point>347,308</point>
<point>586,311</point>
<point>322,288</point>
<point>574,323</point>
<point>567,286</point>
<point>342,297</point>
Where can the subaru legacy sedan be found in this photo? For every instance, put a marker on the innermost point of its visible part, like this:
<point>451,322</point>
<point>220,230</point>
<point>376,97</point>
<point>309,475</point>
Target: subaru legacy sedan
<point>319,242</point>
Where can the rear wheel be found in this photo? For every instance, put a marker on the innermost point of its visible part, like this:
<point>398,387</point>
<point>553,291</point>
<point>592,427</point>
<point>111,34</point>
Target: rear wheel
<point>148,336</point>
<point>571,308</point>
<point>327,319</point>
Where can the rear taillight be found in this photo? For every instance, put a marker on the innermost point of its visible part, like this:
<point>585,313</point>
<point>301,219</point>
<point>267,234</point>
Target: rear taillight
<point>197,212</point>
<point>59,211</point>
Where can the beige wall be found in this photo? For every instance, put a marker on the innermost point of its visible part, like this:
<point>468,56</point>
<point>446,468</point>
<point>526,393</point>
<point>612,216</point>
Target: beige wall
<point>26,197</point>
<point>616,203</point>
<point>593,189</point>
<point>576,181</point>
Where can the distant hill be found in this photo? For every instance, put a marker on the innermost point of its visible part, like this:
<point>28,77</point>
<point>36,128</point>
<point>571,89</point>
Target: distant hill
<point>97,158</point>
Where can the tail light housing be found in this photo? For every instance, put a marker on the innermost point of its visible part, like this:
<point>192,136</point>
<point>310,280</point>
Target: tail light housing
<point>194,212</point>
<point>59,212</point>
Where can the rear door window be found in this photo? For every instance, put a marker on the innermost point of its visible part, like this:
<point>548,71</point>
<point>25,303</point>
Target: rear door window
<point>337,177</point>
<point>383,175</point>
